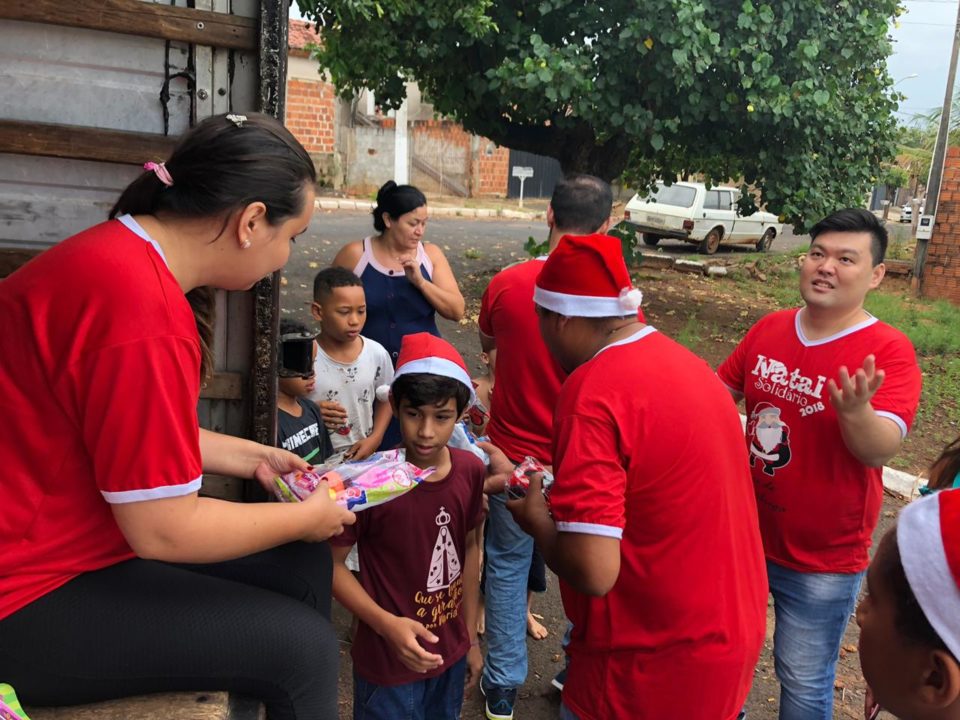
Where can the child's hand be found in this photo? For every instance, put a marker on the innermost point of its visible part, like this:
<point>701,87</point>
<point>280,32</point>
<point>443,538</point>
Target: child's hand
<point>531,512</point>
<point>333,413</point>
<point>327,517</point>
<point>499,469</point>
<point>402,634</point>
<point>474,668</point>
<point>362,449</point>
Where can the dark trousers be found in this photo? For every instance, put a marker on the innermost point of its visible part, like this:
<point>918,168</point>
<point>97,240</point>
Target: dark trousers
<point>257,626</point>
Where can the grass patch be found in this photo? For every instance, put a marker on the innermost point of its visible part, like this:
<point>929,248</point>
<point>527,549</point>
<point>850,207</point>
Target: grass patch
<point>689,335</point>
<point>933,326</point>
<point>941,386</point>
<point>472,254</point>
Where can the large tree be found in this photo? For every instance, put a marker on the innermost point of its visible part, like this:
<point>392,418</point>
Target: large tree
<point>793,96</point>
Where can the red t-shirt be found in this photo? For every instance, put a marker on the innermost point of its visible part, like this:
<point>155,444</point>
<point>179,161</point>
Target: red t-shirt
<point>98,401</point>
<point>818,504</point>
<point>412,553</point>
<point>648,449</point>
<point>528,379</point>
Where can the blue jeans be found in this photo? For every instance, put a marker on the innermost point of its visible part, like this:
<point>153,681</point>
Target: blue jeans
<point>438,698</point>
<point>812,611</point>
<point>508,552</point>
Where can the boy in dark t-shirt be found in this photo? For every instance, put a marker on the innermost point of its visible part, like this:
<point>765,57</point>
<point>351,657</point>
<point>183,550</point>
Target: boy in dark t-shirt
<point>300,427</point>
<point>417,594</point>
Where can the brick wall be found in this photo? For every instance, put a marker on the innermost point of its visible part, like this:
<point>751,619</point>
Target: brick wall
<point>494,169</point>
<point>941,273</point>
<point>311,114</point>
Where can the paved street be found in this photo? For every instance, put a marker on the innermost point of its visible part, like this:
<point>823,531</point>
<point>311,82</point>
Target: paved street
<point>476,249</point>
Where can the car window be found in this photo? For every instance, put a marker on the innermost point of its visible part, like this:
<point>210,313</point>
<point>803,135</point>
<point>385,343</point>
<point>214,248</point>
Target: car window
<point>712,200</point>
<point>726,200</point>
<point>676,195</point>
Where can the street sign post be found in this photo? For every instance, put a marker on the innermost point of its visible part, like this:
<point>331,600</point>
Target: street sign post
<point>522,172</point>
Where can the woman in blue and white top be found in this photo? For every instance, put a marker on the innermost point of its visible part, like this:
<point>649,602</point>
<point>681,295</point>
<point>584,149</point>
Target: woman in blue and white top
<point>405,281</point>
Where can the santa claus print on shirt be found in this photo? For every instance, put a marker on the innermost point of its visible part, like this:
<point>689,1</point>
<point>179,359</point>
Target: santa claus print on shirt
<point>769,438</point>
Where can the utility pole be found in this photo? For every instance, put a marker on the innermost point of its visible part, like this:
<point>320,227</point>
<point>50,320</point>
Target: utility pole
<point>939,157</point>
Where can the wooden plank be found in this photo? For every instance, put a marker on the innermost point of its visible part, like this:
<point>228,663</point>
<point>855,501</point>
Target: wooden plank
<point>223,386</point>
<point>12,258</point>
<point>83,143</point>
<point>223,487</point>
<point>168,706</point>
<point>146,19</point>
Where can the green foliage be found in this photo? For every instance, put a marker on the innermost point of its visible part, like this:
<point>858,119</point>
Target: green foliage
<point>933,326</point>
<point>793,96</point>
<point>536,249</point>
<point>893,176</point>
<point>628,243</point>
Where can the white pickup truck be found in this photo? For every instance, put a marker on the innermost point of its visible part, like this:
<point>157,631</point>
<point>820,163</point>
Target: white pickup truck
<point>690,212</point>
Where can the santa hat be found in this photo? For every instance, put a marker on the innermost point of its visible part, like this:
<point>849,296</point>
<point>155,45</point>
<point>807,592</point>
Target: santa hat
<point>928,535</point>
<point>426,353</point>
<point>585,276</point>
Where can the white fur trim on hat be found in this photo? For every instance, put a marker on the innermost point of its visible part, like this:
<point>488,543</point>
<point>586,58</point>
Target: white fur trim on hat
<point>589,305</point>
<point>924,559</point>
<point>437,366</point>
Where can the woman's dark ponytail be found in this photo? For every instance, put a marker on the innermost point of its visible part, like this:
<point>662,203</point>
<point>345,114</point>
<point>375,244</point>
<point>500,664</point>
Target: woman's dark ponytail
<point>396,200</point>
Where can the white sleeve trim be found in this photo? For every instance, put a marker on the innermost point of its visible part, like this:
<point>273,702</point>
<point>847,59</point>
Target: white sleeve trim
<point>157,493</point>
<point>897,419</point>
<point>591,529</point>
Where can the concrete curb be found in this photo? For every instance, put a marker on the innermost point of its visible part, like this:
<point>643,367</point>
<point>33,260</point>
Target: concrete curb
<point>897,482</point>
<point>435,210</point>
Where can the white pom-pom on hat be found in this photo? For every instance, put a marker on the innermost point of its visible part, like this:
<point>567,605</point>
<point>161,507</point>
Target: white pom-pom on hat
<point>383,393</point>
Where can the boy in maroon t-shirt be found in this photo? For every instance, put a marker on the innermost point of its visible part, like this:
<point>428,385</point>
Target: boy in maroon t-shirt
<point>416,646</point>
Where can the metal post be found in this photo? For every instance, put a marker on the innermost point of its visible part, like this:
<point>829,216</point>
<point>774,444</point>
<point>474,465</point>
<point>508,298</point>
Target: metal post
<point>401,147</point>
<point>939,158</point>
<point>273,76</point>
<point>521,191</point>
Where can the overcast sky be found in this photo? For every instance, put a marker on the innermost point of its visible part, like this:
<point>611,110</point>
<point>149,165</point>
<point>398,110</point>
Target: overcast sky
<point>921,47</point>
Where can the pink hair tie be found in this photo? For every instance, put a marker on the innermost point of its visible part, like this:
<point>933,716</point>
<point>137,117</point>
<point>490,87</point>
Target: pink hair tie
<point>160,170</point>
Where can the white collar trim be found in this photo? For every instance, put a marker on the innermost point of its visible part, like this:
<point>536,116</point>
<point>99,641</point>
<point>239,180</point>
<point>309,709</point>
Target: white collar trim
<point>137,229</point>
<point>823,341</point>
<point>638,335</point>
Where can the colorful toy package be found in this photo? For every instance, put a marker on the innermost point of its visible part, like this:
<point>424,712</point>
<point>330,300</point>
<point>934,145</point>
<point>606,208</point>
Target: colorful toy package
<point>10,708</point>
<point>358,485</point>
<point>464,439</point>
<point>519,482</point>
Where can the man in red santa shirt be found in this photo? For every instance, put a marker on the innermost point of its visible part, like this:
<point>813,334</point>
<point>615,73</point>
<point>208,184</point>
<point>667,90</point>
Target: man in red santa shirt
<point>846,386</point>
<point>653,534</point>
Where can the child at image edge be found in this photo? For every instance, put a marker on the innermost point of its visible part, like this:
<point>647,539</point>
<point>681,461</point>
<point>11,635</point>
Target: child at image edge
<point>416,647</point>
<point>909,617</point>
<point>349,367</point>
<point>299,425</point>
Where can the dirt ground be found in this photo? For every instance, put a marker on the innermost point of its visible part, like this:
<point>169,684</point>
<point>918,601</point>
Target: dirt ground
<point>724,311</point>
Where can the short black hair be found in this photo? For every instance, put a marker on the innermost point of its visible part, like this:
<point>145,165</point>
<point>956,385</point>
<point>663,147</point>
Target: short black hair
<point>581,204</point>
<point>856,220</point>
<point>332,277</point>
<point>911,622</point>
<point>428,389</point>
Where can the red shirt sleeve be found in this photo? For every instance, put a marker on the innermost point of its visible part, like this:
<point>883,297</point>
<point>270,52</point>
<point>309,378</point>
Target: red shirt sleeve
<point>899,394</point>
<point>138,406</point>
<point>486,308</point>
<point>731,370</point>
<point>589,493</point>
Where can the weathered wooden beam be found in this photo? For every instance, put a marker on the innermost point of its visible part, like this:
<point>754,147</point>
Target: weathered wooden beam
<point>223,386</point>
<point>83,143</point>
<point>146,19</point>
<point>12,258</point>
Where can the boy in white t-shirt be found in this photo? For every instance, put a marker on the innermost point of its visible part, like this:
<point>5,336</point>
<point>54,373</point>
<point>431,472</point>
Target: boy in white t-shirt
<point>348,366</point>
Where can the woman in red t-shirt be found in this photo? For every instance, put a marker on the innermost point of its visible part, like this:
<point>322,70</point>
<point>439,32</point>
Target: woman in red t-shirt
<point>116,578</point>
